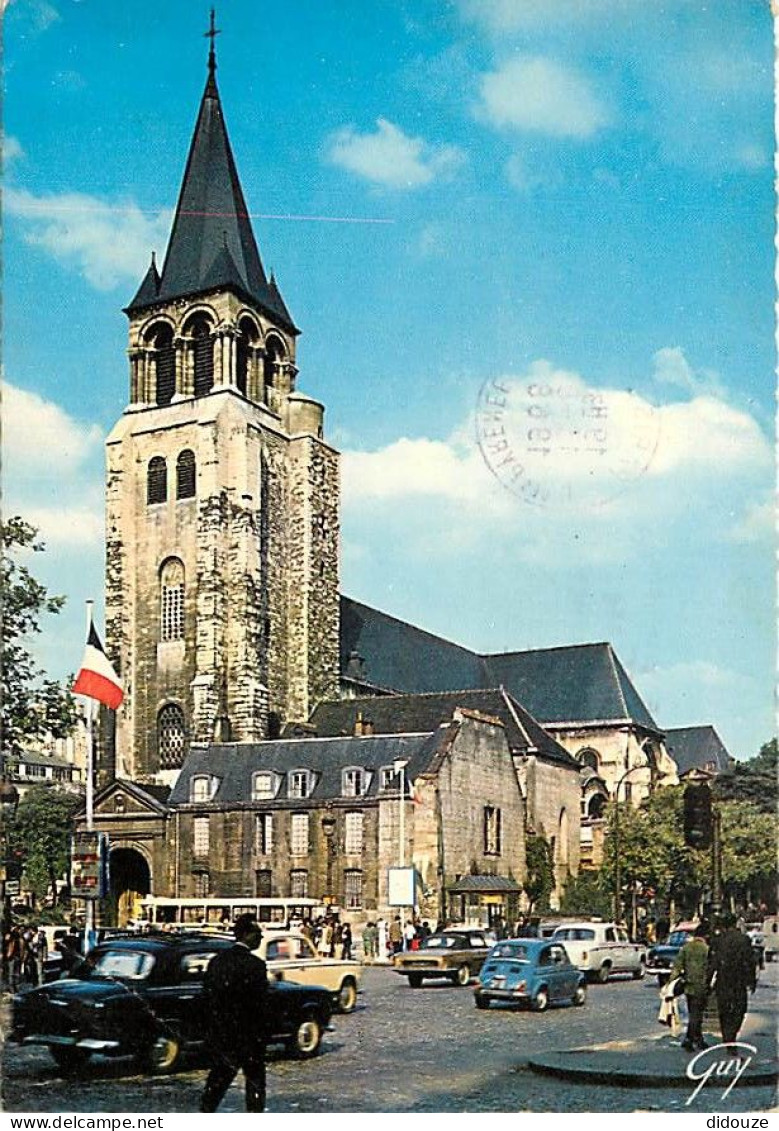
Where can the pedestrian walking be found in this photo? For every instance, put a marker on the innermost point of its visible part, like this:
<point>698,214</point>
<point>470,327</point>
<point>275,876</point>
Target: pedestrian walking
<point>12,951</point>
<point>396,935</point>
<point>235,998</point>
<point>692,966</point>
<point>383,945</point>
<point>731,970</point>
<point>409,936</point>
<point>40,952</point>
<point>346,942</point>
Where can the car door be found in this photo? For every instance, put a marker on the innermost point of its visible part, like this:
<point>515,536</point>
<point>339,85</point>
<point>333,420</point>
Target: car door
<point>567,976</point>
<point>294,957</point>
<point>628,956</point>
<point>547,972</point>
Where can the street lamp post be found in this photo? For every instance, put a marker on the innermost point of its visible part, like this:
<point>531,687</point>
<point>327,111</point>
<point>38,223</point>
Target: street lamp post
<point>399,766</point>
<point>617,864</point>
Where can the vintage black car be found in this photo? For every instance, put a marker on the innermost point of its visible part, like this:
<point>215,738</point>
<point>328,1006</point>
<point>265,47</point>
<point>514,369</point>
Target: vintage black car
<point>141,996</point>
<point>661,957</point>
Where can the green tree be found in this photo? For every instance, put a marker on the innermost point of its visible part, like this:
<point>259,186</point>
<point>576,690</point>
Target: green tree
<point>587,894</point>
<point>748,850</point>
<point>539,880</point>
<point>755,781</point>
<point>33,706</point>
<point>40,834</point>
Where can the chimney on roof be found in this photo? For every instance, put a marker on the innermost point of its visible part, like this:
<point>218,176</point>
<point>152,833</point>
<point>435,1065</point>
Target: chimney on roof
<point>358,725</point>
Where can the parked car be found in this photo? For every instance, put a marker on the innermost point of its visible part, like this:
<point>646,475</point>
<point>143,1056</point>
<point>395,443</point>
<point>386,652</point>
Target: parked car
<point>770,929</point>
<point>661,957</point>
<point>294,957</point>
<point>531,972</point>
<point>454,954</point>
<point>141,996</point>
<point>601,949</point>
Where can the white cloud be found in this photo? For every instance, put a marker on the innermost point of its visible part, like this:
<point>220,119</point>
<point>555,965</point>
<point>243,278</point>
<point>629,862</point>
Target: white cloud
<point>501,17</point>
<point>52,469</point>
<point>108,243</point>
<point>12,150</point>
<point>531,93</point>
<point>391,158</point>
<point>673,368</point>
<point>37,15</point>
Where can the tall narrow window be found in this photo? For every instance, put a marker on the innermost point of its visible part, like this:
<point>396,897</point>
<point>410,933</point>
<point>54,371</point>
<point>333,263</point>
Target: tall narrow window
<point>156,481</point>
<point>165,359</point>
<point>171,736</point>
<point>263,883</point>
<point>172,600</point>
<point>353,836</point>
<point>247,339</point>
<point>200,836</point>
<point>202,885</point>
<point>299,834</point>
<point>204,355</point>
<point>298,883</point>
<point>264,834</point>
<point>185,475</point>
<point>491,831</point>
<point>352,889</point>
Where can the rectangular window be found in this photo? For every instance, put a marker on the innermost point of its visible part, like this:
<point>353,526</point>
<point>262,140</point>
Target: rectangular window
<point>299,784</point>
<point>264,834</point>
<point>354,838</point>
<point>200,788</point>
<point>201,839</point>
<point>263,883</point>
<point>389,779</point>
<point>353,784</point>
<point>353,889</point>
<point>263,787</point>
<point>299,834</point>
<point>298,883</point>
<point>491,831</point>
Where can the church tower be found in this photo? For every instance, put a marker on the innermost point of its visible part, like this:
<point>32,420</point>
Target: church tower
<point>221,494</point>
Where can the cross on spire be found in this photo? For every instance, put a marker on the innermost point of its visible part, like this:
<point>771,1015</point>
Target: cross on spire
<point>212,33</point>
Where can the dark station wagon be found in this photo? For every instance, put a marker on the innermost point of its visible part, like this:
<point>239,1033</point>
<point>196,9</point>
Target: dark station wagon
<point>141,996</point>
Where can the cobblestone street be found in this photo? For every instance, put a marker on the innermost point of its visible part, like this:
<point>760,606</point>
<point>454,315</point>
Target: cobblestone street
<point>425,1050</point>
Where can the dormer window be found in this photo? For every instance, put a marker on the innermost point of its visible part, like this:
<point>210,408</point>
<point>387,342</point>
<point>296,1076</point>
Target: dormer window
<point>354,781</point>
<point>390,778</point>
<point>202,787</point>
<point>264,785</point>
<point>300,784</point>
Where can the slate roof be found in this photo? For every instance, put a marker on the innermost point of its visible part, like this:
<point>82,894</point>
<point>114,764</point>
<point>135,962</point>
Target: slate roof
<point>573,684</point>
<point>212,243</point>
<point>393,714</point>
<point>696,747</point>
<point>484,884</point>
<point>233,764</point>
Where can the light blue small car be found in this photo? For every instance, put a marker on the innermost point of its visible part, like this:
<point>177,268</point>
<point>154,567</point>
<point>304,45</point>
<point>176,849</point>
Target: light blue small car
<point>532,972</point>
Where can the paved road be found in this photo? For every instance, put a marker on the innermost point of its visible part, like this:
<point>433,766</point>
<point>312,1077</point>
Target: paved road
<point>426,1050</point>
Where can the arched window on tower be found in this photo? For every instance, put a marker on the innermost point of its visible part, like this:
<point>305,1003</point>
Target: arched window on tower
<point>589,758</point>
<point>172,600</point>
<point>157,481</point>
<point>165,363</point>
<point>171,736</point>
<point>199,330</point>
<point>247,340</point>
<point>274,354</point>
<point>185,475</point>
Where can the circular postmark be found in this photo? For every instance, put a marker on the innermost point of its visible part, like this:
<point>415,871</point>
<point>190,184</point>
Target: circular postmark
<point>552,441</point>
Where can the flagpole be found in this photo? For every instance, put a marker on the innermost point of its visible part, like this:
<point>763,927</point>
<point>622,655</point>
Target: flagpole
<point>89,918</point>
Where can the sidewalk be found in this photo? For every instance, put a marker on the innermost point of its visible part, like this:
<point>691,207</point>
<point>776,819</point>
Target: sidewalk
<point>657,1059</point>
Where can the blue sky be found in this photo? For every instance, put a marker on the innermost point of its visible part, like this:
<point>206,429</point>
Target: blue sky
<point>454,195</point>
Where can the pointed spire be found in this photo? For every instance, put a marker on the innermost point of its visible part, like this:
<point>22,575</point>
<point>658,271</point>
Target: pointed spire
<point>149,289</point>
<point>212,244</point>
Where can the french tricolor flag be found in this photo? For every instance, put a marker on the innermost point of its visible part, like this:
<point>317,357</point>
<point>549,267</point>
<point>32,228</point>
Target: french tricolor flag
<point>97,679</point>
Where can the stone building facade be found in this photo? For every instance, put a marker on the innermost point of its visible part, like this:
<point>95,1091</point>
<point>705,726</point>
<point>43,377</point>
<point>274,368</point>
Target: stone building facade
<point>222,494</point>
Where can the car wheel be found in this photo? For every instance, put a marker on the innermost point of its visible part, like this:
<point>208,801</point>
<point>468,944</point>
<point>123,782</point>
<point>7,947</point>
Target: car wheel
<point>347,996</point>
<point>603,973</point>
<point>463,975</point>
<point>307,1037</point>
<point>580,997</point>
<point>541,1000</point>
<point>161,1054</point>
<point>415,981</point>
<point>639,974</point>
<point>482,1001</point>
<point>69,1060</point>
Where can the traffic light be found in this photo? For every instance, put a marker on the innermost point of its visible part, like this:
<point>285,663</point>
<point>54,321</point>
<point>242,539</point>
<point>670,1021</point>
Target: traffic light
<point>698,817</point>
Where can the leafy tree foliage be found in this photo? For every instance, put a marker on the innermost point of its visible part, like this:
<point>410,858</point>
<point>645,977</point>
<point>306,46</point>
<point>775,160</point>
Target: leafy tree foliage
<point>755,780</point>
<point>40,834</point>
<point>33,706</point>
<point>539,881</point>
<point>586,894</point>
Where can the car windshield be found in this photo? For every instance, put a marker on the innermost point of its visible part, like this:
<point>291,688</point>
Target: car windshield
<point>129,965</point>
<point>678,938</point>
<point>515,951</point>
<point>575,934</point>
<point>448,941</point>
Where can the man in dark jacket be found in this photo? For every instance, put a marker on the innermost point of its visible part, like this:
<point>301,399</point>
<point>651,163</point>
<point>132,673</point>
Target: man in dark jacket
<point>732,967</point>
<point>235,997</point>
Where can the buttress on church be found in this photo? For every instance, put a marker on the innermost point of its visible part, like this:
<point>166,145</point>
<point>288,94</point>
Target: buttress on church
<point>266,715</point>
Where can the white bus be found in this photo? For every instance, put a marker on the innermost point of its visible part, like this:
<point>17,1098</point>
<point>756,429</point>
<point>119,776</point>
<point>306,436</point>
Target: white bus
<point>214,913</point>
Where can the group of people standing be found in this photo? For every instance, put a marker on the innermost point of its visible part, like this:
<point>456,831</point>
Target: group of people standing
<point>331,937</point>
<point>380,939</point>
<point>720,960</point>
<point>25,950</point>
